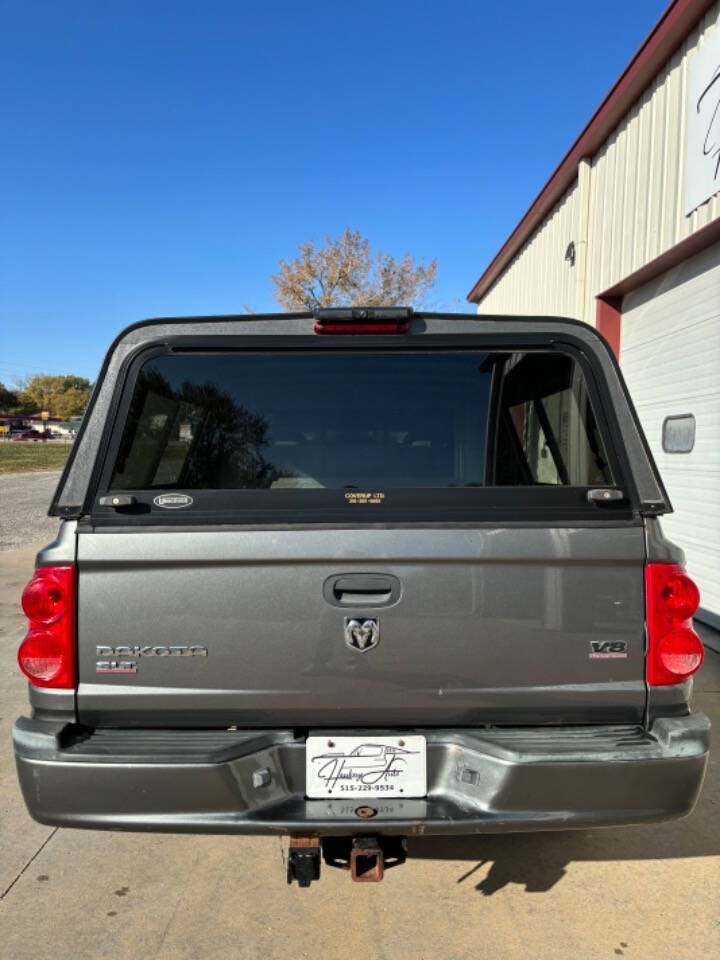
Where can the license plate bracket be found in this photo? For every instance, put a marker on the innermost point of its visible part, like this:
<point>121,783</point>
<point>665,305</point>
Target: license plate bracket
<point>386,765</point>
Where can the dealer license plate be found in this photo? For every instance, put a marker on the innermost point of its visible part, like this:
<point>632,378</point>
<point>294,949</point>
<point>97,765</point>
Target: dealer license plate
<point>367,766</point>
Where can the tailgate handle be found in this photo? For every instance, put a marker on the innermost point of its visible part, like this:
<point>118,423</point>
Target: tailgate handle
<point>362,589</point>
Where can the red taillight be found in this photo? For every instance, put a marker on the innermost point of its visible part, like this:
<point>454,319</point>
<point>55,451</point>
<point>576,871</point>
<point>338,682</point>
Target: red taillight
<point>679,596</point>
<point>43,600</point>
<point>47,654</point>
<point>675,651</point>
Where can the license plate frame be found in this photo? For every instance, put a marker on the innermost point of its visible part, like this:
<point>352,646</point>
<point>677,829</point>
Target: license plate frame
<point>368,766</point>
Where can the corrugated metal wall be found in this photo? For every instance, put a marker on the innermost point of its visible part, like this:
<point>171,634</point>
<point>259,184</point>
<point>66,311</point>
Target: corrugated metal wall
<point>638,179</point>
<point>636,193</point>
<point>538,280</point>
<point>670,355</point>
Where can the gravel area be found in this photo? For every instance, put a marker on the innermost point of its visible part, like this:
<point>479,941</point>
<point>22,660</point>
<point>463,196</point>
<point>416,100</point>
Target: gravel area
<point>24,500</point>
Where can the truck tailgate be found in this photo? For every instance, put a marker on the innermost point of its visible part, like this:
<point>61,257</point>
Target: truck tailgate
<point>499,625</point>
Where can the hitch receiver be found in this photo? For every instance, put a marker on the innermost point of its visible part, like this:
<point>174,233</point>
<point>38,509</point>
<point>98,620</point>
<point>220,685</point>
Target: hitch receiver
<point>367,861</point>
<point>366,858</point>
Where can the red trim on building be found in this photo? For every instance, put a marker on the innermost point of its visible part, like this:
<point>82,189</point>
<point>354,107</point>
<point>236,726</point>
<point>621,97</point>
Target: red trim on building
<point>695,243</point>
<point>608,305</point>
<point>608,320</point>
<point>663,40</point>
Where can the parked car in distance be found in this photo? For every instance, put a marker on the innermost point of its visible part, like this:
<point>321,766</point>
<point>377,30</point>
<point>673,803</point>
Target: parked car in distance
<point>295,546</point>
<point>34,434</point>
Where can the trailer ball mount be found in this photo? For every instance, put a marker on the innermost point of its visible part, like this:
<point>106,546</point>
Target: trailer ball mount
<point>366,857</point>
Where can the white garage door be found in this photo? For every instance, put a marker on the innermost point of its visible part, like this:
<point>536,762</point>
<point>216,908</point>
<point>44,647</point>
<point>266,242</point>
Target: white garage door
<point>670,355</point>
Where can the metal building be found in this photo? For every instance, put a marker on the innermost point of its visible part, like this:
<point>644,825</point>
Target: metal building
<point>625,235</point>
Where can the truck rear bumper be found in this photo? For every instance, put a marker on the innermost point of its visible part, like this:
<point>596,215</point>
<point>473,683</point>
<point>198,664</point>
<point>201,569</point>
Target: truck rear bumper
<point>544,778</point>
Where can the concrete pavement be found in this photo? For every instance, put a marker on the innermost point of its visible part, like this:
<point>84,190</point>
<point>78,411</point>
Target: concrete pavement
<point>645,893</point>
<point>24,500</point>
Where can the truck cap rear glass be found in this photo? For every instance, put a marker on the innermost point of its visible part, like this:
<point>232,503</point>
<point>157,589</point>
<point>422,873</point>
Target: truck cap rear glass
<point>359,422</point>
<point>78,484</point>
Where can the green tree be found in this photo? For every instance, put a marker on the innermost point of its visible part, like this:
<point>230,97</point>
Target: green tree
<point>345,272</point>
<point>9,401</point>
<point>63,396</point>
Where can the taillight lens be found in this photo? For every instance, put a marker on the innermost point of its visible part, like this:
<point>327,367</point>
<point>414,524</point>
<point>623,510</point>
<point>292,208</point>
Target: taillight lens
<point>41,657</point>
<point>679,596</point>
<point>675,651</point>
<point>47,654</point>
<point>43,600</point>
<point>680,653</point>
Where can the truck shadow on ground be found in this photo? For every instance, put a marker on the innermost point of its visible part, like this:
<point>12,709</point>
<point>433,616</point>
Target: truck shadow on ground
<point>537,861</point>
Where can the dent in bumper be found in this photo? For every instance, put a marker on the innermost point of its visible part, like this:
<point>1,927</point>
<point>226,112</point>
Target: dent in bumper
<point>542,779</point>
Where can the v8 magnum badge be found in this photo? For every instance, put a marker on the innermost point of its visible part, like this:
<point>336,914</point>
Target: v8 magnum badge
<point>362,634</point>
<point>608,650</point>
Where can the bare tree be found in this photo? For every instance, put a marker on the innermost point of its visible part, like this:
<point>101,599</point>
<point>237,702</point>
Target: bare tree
<point>345,272</point>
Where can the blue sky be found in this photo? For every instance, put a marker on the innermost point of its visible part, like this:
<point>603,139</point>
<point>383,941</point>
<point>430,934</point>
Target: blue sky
<point>159,158</point>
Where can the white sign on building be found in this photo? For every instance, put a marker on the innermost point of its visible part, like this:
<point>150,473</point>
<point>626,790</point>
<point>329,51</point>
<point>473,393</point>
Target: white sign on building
<point>702,159</point>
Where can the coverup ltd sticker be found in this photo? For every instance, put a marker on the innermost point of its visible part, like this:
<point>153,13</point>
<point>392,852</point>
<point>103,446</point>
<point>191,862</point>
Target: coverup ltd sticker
<point>172,501</point>
<point>364,498</point>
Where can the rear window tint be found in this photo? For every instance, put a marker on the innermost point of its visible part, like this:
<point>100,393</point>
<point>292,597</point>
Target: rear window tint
<point>249,421</point>
<point>545,413</point>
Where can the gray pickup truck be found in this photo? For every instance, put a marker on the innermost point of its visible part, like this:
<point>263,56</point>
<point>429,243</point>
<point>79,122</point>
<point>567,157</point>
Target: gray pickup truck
<point>355,576</point>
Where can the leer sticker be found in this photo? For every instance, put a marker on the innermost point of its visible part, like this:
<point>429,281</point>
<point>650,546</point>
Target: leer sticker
<point>173,501</point>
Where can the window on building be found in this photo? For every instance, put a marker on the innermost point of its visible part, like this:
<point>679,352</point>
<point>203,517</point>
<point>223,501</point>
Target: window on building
<point>678,433</point>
